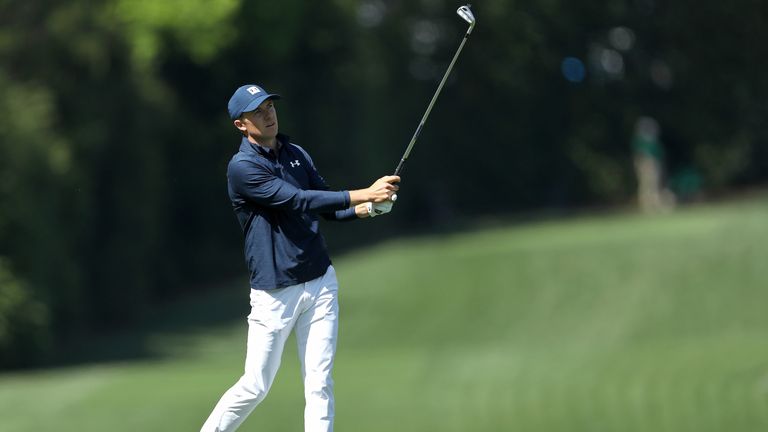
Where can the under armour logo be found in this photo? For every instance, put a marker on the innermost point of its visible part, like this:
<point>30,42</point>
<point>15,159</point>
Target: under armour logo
<point>253,90</point>
<point>295,163</point>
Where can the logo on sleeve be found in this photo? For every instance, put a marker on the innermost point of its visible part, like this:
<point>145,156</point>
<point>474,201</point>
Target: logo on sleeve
<point>295,163</point>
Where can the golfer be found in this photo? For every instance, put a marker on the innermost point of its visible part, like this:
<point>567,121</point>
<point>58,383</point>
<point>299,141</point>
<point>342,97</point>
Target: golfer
<point>277,195</point>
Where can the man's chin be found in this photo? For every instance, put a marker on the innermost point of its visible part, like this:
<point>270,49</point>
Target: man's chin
<point>269,133</point>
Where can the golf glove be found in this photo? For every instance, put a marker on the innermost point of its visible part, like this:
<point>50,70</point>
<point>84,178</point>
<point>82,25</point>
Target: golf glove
<point>376,209</point>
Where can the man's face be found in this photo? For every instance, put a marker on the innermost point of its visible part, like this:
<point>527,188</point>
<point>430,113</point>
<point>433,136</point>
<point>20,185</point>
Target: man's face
<point>259,124</point>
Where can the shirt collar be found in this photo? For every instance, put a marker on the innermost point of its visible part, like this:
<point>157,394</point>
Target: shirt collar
<point>249,147</point>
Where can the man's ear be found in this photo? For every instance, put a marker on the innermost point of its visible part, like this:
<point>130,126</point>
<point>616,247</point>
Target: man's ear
<point>240,125</point>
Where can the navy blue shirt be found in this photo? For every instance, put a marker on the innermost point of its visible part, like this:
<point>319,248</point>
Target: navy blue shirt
<point>277,198</point>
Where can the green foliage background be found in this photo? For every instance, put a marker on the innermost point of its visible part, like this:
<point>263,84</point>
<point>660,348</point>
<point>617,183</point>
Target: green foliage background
<point>114,137</point>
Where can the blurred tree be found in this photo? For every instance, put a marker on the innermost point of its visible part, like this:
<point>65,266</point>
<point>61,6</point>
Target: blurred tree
<point>24,331</point>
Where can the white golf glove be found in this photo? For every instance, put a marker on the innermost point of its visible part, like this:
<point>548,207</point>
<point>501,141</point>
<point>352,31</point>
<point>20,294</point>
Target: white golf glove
<point>376,209</point>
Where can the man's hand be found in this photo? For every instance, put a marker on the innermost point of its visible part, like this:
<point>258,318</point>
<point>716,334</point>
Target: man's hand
<point>381,190</point>
<point>376,209</point>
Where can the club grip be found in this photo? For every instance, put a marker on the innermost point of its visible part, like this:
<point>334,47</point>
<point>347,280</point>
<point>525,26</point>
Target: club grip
<point>398,170</point>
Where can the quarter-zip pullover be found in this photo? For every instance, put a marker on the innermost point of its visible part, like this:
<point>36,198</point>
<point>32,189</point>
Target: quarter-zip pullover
<point>277,197</point>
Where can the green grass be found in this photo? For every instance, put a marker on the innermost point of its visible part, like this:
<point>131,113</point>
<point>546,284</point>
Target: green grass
<point>607,323</point>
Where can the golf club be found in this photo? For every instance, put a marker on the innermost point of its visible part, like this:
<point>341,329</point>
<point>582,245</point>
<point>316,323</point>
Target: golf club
<point>466,14</point>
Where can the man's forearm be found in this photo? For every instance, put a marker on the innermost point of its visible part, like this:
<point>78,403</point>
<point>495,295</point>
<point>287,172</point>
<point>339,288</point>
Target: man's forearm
<point>360,196</point>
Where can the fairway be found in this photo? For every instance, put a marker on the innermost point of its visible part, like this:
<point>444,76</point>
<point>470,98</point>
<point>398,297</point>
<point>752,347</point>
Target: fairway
<point>600,323</point>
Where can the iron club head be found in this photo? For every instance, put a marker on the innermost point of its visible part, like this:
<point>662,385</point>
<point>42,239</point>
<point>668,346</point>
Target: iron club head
<point>466,14</point>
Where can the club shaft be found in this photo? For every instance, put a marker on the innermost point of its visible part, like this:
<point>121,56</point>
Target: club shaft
<point>416,134</point>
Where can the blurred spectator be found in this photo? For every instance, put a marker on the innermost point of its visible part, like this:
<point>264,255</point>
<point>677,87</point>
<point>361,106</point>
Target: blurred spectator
<point>686,184</point>
<point>652,195</point>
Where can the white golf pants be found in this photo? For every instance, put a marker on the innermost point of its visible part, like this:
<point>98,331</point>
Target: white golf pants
<point>312,310</point>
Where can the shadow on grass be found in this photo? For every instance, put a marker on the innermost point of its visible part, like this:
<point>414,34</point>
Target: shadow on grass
<point>222,306</point>
<point>219,307</point>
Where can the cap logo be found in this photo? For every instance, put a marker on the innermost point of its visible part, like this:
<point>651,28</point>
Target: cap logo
<point>253,90</point>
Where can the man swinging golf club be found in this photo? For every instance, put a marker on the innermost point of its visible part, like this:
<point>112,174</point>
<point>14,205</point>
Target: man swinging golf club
<point>278,195</point>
